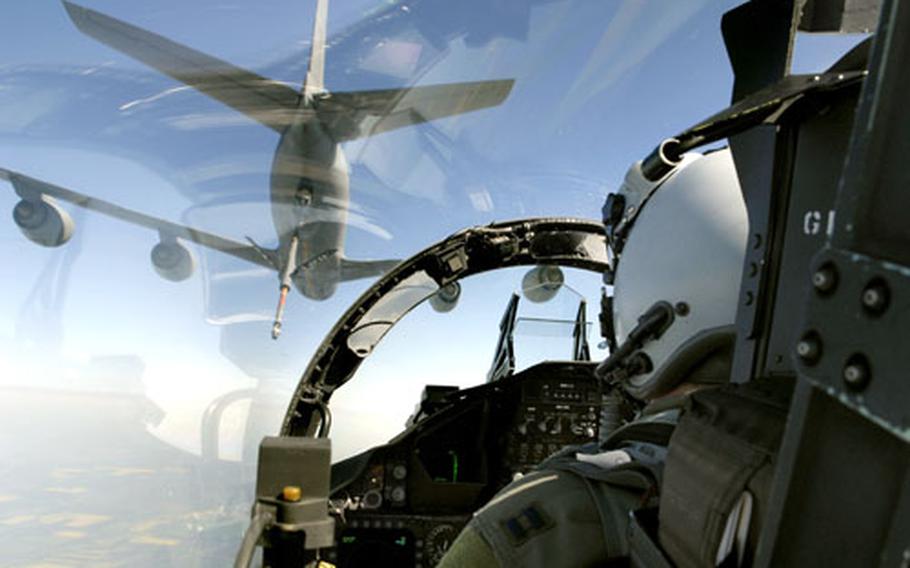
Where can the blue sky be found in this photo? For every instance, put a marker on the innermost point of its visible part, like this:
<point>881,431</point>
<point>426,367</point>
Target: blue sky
<point>598,84</point>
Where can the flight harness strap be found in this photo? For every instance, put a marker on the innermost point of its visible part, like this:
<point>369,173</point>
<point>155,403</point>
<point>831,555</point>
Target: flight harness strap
<point>643,550</point>
<point>723,450</point>
<point>616,491</point>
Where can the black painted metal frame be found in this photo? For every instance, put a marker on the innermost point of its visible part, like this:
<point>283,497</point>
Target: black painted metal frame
<point>842,490</point>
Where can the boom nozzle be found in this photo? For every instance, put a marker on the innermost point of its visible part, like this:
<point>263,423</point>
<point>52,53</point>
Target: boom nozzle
<point>279,312</point>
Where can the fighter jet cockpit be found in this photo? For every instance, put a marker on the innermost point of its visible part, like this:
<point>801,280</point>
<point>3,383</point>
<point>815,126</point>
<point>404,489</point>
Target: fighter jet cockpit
<point>329,283</point>
<point>465,432</point>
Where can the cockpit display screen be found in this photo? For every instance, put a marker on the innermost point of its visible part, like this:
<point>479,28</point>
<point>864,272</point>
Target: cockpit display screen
<point>380,547</point>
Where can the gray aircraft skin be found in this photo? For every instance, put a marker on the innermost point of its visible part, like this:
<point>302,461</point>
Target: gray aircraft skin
<point>309,182</point>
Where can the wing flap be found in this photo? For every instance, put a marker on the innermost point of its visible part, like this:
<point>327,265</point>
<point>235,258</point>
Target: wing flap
<point>352,115</point>
<point>268,102</point>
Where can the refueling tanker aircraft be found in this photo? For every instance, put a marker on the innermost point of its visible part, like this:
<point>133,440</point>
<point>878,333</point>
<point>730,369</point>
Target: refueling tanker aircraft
<point>309,184</point>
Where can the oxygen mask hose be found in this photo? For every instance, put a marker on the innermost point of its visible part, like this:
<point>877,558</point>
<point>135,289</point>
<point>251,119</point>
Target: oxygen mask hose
<point>651,325</point>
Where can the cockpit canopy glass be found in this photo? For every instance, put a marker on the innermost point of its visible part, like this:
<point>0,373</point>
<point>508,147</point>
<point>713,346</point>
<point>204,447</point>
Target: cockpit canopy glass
<point>135,385</point>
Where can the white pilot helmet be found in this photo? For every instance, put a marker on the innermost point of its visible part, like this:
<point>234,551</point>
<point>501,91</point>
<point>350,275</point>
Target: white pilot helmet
<point>681,253</point>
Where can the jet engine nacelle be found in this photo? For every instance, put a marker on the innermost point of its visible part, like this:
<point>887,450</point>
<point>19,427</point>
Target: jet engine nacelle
<point>173,261</point>
<point>446,298</point>
<point>541,283</point>
<point>42,221</point>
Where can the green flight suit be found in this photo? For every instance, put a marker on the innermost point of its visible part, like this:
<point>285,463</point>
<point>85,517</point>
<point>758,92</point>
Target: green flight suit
<point>567,512</point>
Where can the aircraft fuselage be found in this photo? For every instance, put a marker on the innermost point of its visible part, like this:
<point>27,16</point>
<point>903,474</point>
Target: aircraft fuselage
<point>310,192</point>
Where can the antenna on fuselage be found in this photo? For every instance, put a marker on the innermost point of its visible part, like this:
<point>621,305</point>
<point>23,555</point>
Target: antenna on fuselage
<point>314,83</point>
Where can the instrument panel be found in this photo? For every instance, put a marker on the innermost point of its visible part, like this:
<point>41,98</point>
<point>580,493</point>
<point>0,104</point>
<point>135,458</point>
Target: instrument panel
<point>391,540</point>
<point>402,504</point>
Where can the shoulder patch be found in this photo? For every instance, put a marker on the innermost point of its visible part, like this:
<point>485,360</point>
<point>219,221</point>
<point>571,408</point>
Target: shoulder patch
<point>531,521</point>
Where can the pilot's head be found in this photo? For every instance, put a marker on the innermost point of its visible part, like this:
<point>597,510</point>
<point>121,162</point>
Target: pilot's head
<point>678,245</point>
